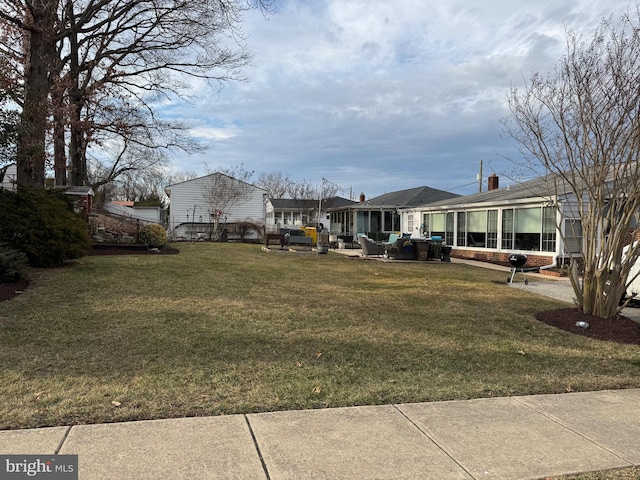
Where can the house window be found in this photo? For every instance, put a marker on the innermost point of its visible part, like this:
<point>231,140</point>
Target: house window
<point>573,235</point>
<point>492,229</point>
<point>410,222</point>
<point>528,225</point>
<point>376,222</point>
<point>362,222</point>
<point>462,229</point>
<point>449,229</point>
<point>477,229</point>
<point>437,224</point>
<point>507,229</point>
<point>391,221</point>
<point>549,229</point>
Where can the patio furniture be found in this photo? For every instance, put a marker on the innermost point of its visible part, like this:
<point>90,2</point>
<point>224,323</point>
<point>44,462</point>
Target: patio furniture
<point>346,239</point>
<point>422,248</point>
<point>446,254</point>
<point>402,249</point>
<point>274,237</point>
<point>392,239</point>
<point>369,247</point>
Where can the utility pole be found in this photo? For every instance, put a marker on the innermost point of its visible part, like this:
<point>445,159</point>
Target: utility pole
<point>479,178</point>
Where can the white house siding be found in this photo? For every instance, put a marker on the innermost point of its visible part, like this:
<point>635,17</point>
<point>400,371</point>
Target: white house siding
<point>148,214</point>
<point>144,214</point>
<point>293,218</point>
<point>190,212</point>
<point>10,175</point>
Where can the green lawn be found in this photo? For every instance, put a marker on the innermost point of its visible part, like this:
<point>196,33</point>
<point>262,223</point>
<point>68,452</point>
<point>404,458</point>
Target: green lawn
<point>228,328</point>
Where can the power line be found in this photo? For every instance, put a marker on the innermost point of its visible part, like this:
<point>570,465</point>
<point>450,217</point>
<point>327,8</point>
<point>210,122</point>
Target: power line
<point>462,186</point>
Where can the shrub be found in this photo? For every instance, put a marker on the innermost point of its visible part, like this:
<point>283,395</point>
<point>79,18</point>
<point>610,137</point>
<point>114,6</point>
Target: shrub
<point>246,228</point>
<point>42,225</point>
<point>13,264</point>
<point>153,235</point>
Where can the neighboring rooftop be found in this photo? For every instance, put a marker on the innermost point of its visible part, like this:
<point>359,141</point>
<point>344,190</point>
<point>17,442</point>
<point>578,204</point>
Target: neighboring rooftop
<point>411,197</point>
<point>292,203</point>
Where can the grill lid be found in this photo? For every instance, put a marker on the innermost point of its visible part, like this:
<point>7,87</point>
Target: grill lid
<point>517,260</point>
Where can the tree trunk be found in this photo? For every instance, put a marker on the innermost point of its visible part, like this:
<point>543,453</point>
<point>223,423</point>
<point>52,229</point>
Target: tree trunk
<point>76,147</point>
<point>59,153</point>
<point>33,125</point>
<point>76,104</point>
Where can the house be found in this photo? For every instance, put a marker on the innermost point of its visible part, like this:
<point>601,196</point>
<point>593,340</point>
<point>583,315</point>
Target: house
<point>492,225</point>
<point>380,215</point>
<point>8,177</point>
<point>202,206</point>
<point>293,213</point>
<point>129,210</point>
<point>83,199</point>
<point>83,196</point>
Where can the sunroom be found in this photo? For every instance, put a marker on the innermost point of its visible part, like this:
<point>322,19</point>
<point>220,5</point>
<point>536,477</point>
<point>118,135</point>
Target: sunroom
<point>490,226</point>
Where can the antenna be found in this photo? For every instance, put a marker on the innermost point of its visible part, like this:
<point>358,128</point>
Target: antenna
<point>479,178</point>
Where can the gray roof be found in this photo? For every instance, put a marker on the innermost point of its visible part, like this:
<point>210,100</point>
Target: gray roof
<point>79,190</point>
<point>292,203</point>
<point>408,198</point>
<point>538,188</point>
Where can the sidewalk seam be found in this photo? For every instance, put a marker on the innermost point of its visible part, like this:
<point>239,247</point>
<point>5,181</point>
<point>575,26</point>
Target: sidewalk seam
<point>426,434</point>
<point>568,427</point>
<point>64,439</point>
<point>258,451</point>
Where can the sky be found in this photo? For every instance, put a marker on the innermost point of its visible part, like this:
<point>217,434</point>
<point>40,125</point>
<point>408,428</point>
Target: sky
<point>377,96</point>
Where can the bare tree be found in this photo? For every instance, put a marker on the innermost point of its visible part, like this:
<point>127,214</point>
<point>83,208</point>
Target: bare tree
<point>88,61</point>
<point>308,196</point>
<point>34,55</point>
<point>223,190</point>
<point>275,183</point>
<point>580,127</point>
<point>305,197</point>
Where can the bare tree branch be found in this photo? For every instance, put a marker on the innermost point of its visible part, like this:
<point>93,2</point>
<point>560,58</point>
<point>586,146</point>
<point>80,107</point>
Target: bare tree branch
<point>581,127</point>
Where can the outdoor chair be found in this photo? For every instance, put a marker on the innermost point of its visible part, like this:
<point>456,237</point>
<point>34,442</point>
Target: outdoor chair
<point>369,247</point>
<point>392,239</point>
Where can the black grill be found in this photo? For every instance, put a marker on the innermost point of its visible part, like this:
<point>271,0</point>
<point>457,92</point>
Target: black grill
<point>517,261</point>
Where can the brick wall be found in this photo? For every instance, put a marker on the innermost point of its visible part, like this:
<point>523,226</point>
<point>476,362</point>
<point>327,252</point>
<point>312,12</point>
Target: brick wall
<point>502,258</point>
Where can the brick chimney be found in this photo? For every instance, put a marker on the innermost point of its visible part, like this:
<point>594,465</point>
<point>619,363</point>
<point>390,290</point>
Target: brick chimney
<point>493,182</point>
<point>362,197</point>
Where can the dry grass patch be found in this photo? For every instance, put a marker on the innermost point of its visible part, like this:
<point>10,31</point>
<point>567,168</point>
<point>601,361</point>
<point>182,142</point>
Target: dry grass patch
<point>227,328</point>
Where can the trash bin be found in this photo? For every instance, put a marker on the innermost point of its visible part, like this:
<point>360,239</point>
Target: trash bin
<point>323,243</point>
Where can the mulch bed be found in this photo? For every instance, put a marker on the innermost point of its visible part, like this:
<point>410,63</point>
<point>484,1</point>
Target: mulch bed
<point>115,249</point>
<point>620,329</point>
<point>10,290</point>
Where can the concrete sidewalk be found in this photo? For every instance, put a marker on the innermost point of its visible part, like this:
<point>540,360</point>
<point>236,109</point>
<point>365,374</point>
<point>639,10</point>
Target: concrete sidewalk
<point>511,438</point>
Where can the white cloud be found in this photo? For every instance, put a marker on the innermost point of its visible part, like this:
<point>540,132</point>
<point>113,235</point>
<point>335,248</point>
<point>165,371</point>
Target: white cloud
<point>381,95</point>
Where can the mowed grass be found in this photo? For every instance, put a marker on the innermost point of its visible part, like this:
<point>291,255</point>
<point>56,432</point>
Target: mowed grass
<point>228,328</point>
